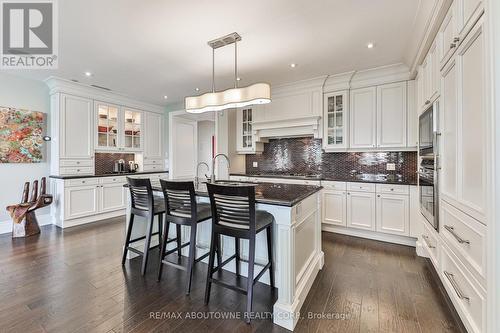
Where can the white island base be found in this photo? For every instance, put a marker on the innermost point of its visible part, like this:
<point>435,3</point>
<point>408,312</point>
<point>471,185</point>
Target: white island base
<point>297,251</point>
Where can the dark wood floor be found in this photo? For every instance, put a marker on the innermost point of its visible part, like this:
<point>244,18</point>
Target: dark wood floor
<point>72,281</point>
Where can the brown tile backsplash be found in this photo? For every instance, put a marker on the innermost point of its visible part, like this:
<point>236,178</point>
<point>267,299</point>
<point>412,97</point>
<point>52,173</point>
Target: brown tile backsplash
<point>104,162</point>
<point>305,156</point>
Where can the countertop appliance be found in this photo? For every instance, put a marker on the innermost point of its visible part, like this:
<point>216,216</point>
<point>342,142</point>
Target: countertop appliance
<point>119,166</point>
<point>428,181</point>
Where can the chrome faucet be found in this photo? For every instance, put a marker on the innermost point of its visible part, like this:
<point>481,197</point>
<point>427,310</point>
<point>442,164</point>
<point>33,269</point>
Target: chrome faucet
<point>197,179</point>
<point>212,178</point>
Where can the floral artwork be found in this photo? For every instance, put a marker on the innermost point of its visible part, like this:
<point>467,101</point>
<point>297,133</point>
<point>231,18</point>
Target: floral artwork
<point>21,135</point>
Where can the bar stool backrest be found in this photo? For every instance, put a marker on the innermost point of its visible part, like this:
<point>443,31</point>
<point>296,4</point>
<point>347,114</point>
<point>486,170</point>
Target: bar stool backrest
<point>141,194</point>
<point>180,198</point>
<point>233,207</point>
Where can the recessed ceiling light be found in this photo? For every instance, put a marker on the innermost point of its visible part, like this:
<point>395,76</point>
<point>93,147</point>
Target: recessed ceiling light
<point>293,65</point>
<point>88,74</point>
<point>370,45</point>
<point>197,89</point>
<point>165,97</point>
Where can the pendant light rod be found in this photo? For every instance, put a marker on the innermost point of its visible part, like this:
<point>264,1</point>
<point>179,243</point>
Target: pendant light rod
<point>213,70</point>
<point>235,64</point>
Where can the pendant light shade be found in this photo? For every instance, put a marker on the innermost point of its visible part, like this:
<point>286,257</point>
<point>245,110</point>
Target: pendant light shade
<point>258,93</point>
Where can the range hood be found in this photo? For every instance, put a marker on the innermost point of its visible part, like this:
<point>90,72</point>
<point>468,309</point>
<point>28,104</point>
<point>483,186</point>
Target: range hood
<point>264,130</point>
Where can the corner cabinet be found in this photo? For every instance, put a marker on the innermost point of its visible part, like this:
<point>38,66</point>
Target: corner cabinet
<point>245,140</point>
<point>335,108</point>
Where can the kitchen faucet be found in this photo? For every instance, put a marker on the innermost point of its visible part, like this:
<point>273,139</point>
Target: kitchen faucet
<point>212,178</point>
<point>197,179</point>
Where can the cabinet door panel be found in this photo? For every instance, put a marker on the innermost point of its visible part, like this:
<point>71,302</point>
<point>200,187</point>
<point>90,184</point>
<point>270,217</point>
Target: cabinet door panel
<point>363,118</point>
<point>334,208</point>
<point>412,121</point>
<point>448,32</point>
<point>76,127</point>
<point>361,210</point>
<point>393,213</point>
<point>391,115</point>
<point>153,136</point>
<point>112,197</point>
<point>81,201</point>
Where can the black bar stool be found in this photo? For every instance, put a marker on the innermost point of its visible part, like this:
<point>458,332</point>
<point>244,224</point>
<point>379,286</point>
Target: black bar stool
<point>234,215</point>
<point>144,204</point>
<point>182,209</point>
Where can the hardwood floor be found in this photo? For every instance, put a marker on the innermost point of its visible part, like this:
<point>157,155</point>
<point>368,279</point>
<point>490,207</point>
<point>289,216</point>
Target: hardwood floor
<point>72,281</point>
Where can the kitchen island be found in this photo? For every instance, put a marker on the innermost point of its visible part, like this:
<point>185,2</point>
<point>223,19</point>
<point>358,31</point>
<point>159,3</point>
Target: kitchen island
<point>297,242</point>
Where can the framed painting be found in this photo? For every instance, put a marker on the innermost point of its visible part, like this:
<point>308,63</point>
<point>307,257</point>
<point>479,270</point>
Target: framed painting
<point>21,135</point>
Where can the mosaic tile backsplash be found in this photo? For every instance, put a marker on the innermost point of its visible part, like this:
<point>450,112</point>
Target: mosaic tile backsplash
<point>104,162</point>
<point>305,156</point>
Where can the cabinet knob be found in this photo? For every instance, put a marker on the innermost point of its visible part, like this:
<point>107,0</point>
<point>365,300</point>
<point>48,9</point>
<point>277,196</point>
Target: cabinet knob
<point>78,162</point>
<point>453,45</point>
<point>427,102</point>
<point>83,181</point>
<point>77,170</point>
<point>456,39</point>
<point>378,196</point>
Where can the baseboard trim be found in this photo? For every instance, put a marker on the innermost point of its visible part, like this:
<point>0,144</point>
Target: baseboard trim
<point>6,226</point>
<point>378,236</point>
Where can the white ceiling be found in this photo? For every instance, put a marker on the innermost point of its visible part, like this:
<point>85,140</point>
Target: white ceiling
<point>148,49</point>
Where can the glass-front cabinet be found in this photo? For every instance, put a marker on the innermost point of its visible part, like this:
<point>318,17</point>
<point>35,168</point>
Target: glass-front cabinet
<point>335,120</point>
<point>245,139</point>
<point>118,129</point>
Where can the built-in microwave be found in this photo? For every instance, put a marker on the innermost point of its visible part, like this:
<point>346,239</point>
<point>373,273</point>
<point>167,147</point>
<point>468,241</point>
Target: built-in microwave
<point>428,165</point>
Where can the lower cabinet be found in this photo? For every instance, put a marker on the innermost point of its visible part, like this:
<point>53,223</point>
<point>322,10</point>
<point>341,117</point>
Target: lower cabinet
<point>81,201</point>
<point>335,207</point>
<point>112,197</point>
<point>393,213</point>
<point>361,210</point>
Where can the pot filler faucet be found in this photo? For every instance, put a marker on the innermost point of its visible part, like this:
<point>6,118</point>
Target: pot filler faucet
<point>212,178</point>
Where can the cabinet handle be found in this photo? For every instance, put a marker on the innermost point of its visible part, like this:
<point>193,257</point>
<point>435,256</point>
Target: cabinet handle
<point>392,189</point>
<point>453,45</point>
<point>378,195</point>
<point>83,181</point>
<point>78,162</point>
<point>456,39</point>
<point>426,240</point>
<point>348,193</point>
<point>77,170</point>
<point>459,239</point>
<point>455,286</point>
<point>427,102</point>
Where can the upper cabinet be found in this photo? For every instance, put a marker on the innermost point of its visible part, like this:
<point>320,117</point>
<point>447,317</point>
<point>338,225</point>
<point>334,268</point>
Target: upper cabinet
<point>412,121</point>
<point>430,76</point>
<point>363,118</point>
<point>448,36</point>
<point>468,12</point>
<point>335,108</point>
<point>245,141</point>
<point>153,137</point>
<point>391,115</point>
<point>118,128</point>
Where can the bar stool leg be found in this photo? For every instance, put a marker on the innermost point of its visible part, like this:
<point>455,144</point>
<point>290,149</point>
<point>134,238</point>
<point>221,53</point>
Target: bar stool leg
<point>179,240</point>
<point>192,255</point>
<point>127,238</point>
<point>211,258</point>
<point>251,262</point>
<point>237,252</point>
<point>219,251</point>
<point>160,228</point>
<point>147,244</point>
<point>269,232</point>
<point>163,246</point>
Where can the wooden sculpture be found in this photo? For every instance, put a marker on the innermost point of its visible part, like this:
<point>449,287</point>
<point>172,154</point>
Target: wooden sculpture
<point>23,215</point>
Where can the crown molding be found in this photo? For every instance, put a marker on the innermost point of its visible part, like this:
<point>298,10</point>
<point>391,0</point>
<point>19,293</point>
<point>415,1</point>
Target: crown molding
<point>60,85</point>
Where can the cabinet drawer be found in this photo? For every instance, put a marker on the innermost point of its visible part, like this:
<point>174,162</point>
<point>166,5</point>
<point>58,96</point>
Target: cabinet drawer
<point>113,180</point>
<point>76,163</point>
<point>361,187</point>
<point>81,182</point>
<point>152,161</point>
<point>76,171</point>
<point>153,167</point>
<point>331,185</point>
<point>393,189</point>
<point>467,296</point>
<point>466,237</point>
<point>430,241</point>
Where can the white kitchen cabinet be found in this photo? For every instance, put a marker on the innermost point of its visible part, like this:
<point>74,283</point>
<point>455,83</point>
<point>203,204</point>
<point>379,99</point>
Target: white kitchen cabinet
<point>335,115</point>
<point>112,197</point>
<point>153,138</point>
<point>81,201</point>
<point>412,118</point>
<point>393,213</point>
<point>75,125</point>
<point>391,115</point>
<point>132,133</point>
<point>361,210</point>
<point>363,118</point>
<point>448,36</point>
<point>430,76</point>
<point>245,139</point>
<point>335,207</point>
<point>468,12</point>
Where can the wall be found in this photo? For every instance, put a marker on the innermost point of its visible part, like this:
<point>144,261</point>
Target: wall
<point>32,95</point>
<point>305,156</point>
<point>206,129</point>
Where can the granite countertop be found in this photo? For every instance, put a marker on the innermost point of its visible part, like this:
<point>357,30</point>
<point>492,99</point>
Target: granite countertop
<point>108,174</point>
<point>266,193</point>
<point>360,178</point>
